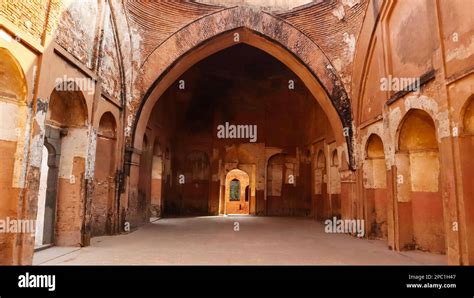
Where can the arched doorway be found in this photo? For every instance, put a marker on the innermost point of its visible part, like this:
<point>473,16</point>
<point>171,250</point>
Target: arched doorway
<point>39,228</point>
<point>67,132</point>
<point>375,188</point>
<point>12,112</point>
<point>46,214</point>
<point>420,207</point>
<point>245,26</point>
<point>320,186</point>
<point>166,68</point>
<point>103,199</point>
<point>236,183</point>
<point>334,180</point>
<point>176,72</point>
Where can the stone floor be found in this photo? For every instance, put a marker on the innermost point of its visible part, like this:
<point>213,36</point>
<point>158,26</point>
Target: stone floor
<point>212,240</point>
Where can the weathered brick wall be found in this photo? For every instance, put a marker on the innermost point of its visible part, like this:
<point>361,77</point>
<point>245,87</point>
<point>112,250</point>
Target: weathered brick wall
<point>157,20</point>
<point>77,29</point>
<point>129,41</point>
<point>109,69</point>
<point>28,15</point>
<point>334,25</point>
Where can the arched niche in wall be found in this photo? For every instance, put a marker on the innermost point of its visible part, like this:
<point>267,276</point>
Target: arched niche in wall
<point>333,207</point>
<point>103,200</point>
<point>418,168</point>
<point>47,194</point>
<point>320,186</point>
<point>13,90</point>
<point>375,187</point>
<point>67,106</point>
<point>285,188</point>
<point>66,130</point>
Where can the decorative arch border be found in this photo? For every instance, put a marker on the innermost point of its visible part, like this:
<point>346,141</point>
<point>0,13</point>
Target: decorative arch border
<point>213,33</point>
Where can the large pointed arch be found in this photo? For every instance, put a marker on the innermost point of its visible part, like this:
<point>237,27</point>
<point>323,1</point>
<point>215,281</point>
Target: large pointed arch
<point>226,28</point>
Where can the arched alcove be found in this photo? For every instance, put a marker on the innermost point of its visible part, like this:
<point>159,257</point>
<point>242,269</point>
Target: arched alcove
<point>375,187</point>
<point>13,92</point>
<point>334,185</point>
<point>67,131</point>
<point>67,108</point>
<point>103,201</point>
<point>311,65</point>
<point>288,194</point>
<point>320,187</point>
<point>418,168</point>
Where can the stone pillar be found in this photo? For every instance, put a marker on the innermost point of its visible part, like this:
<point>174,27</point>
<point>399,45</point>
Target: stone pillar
<point>450,201</point>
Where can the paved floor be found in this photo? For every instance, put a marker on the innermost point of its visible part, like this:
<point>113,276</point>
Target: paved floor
<point>212,240</point>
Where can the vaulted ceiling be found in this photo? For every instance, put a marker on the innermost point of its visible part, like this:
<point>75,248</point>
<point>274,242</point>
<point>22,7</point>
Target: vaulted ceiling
<point>334,25</point>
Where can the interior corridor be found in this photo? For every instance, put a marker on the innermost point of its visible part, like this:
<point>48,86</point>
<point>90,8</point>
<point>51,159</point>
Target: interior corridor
<point>278,115</point>
<point>212,240</point>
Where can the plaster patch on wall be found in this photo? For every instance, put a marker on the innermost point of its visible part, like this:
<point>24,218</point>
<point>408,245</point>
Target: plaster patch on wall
<point>462,52</point>
<point>73,145</point>
<point>128,128</point>
<point>21,154</point>
<point>350,3</point>
<point>443,125</point>
<point>9,113</point>
<point>421,179</point>
<point>403,185</point>
<point>339,12</point>
<point>394,118</point>
<point>346,80</point>
<point>37,142</point>
<point>91,151</point>
<point>337,64</point>
<point>374,175</point>
<point>350,40</point>
<point>38,139</point>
